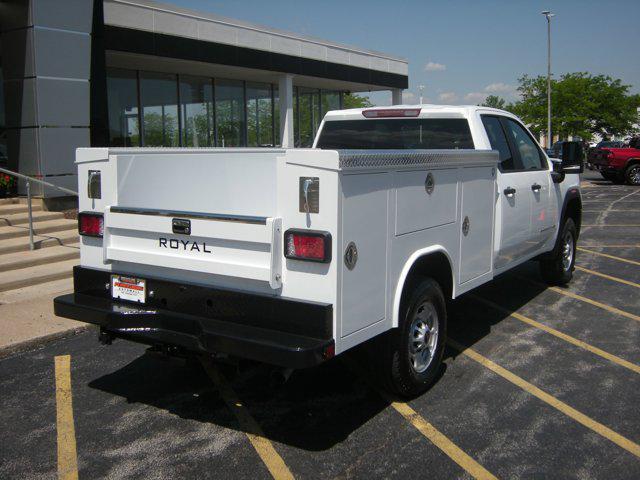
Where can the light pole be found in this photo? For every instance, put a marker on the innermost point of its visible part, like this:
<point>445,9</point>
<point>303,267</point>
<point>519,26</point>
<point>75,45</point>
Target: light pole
<point>421,88</point>
<point>548,16</point>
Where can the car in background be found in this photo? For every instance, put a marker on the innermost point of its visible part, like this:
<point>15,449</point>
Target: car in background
<point>618,165</point>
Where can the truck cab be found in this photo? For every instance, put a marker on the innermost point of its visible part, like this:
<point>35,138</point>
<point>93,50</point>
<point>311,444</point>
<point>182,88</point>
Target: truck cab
<point>294,256</point>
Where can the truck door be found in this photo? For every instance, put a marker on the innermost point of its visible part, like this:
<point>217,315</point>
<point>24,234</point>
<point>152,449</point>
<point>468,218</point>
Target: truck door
<point>537,183</point>
<point>513,208</point>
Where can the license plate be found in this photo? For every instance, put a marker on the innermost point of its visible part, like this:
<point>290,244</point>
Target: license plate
<point>128,288</point>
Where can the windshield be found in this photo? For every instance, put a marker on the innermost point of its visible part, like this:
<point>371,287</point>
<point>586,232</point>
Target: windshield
<point>393,134</point>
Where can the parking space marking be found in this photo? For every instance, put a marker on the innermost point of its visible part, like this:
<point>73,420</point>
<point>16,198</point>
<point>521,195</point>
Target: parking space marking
<point>454,452</point>
<point>576,296</point>
<point>610,211</point>
<point>67,453</point>
<point>549,399</point>
<point>637,245</point>
<point>604,225</point>
<point>606,255</point>
<point>563,336</point>
<point>265,449</point>
<point>608,277</point>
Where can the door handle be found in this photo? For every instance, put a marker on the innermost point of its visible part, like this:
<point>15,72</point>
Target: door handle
<point>535,187</point>
<point>509,191</point>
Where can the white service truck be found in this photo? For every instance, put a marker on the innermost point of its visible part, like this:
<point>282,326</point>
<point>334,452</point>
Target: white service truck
<point>293,256</point>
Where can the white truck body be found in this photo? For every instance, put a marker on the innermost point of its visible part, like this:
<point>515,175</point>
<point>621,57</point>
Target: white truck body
<point>395,206</point>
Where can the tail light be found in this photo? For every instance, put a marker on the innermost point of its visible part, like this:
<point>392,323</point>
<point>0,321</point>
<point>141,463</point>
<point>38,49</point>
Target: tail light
<point>309,245</point>
<point>90,224</point>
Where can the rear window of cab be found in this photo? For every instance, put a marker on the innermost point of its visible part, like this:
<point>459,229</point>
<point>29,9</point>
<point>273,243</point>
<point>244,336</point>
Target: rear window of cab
<point>396,134</point>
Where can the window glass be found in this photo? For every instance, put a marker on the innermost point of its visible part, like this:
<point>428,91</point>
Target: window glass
<point>276,115</point>
<point>499,142</point>
<point>330,101</point>
<point>159,102</point>
<point>4,156</point>
<point>259,115</point>
<point>419,133</point>
<point>122,99</point>
<point>527,147</point>
<point>230,121</point>
<point>196,111</point>
<point>308,116</point>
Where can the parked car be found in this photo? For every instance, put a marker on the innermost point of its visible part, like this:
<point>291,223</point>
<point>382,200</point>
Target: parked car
<point>619,165</point>
<point>294,256</point>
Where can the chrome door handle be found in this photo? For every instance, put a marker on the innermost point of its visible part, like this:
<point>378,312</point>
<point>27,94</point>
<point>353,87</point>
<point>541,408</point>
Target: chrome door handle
<point>535,187</point>
<point>509,191</point>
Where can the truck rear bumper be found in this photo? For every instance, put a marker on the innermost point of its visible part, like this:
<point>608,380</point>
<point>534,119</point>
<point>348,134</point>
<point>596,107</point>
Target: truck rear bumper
<point>238,323</point>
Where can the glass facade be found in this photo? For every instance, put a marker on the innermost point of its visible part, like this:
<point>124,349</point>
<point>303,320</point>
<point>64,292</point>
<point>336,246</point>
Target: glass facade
<point>230,113</point>
<point>159,105</point>
<point>169,110</point>
<point>196,112</point>
<point>3,132</point>
<point>124,121</point>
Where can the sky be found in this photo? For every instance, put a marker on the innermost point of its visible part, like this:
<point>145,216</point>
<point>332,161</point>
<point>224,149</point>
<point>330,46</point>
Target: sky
<point>463,50</point>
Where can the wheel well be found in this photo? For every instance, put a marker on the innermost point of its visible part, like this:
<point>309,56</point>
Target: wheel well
<point>574,212</point>
<point>631,161</point>
<point>435,265</point>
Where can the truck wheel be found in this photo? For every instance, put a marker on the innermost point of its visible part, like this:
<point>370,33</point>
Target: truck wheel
<point>413,355</point>
<point>559,270</point>
<point>632,174</point>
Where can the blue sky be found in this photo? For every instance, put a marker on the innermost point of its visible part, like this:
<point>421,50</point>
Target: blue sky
<point>462,50</point>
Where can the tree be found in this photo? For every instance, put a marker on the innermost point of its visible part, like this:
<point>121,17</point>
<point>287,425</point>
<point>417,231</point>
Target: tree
<point>581,105</point>
<point>352,100</point>
<point>494,101</point>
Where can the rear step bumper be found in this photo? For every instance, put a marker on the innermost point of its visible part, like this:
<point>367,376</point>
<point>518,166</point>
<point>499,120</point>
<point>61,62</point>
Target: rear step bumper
<point>201,332</point>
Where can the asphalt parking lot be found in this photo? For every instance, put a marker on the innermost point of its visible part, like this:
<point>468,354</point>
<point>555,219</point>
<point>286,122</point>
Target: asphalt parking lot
<point>538,382</point>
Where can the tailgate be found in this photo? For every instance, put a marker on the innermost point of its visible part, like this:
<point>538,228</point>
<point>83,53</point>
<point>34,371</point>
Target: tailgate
<point>211,213</point>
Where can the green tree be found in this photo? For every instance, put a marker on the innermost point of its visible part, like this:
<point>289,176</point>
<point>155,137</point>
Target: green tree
<point>581,105</point>
<point>494,101</point>
<point>353,100</point>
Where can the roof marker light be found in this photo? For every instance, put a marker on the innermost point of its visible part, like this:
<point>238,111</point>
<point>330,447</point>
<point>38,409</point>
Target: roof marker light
<point>391,112</point>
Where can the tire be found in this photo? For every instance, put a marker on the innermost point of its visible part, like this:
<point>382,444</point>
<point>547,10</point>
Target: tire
<point>402,370</point>
<point>632,174</point>
<point>559,270</point>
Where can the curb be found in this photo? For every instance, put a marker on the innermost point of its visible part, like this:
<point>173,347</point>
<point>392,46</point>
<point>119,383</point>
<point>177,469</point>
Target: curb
<point>34,343</point>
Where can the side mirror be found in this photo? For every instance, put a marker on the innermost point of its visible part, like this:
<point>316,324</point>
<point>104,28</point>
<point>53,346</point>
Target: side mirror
<point>572,157</point>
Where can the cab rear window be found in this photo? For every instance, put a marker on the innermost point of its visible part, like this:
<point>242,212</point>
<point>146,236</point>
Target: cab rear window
<point>392,134</point>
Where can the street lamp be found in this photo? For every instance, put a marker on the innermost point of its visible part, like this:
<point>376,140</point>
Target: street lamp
<point>548,16</point>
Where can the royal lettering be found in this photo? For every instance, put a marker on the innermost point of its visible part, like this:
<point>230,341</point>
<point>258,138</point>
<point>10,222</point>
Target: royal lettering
<point>183,245</point>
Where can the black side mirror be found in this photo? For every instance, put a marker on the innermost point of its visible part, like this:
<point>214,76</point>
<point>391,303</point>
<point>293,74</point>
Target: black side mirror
<point>572,157</point>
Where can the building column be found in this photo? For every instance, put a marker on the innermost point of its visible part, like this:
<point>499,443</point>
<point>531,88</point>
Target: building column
<point>285,94</point>
<point>45,65</point>
<point>396,96</point>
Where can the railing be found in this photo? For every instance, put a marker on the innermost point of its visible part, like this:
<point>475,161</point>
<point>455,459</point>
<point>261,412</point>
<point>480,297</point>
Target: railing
<point>28,181</point>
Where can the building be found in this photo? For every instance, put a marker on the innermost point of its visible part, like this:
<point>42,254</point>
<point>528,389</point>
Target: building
<point>77,73</point>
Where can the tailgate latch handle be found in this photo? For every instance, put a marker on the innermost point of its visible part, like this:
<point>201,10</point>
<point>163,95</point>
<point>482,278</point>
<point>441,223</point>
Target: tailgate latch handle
<point>181,226</point>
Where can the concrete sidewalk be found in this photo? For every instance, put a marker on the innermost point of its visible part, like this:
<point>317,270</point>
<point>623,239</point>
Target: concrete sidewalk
<point>27,319</point>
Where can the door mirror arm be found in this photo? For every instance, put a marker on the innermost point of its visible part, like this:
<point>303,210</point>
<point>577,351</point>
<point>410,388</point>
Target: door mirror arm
<point>557,173</point>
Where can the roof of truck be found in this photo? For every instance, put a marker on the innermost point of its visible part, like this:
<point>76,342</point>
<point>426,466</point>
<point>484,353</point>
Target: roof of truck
<point>426,111</point>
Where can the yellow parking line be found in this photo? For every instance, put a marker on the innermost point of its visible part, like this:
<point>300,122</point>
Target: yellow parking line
<point>611,225</point>
<point>608,277</point>
<point>67,454</point>
<point>606,255</point>
<point>563,336</point>
<point>272,460</point>
<point>636,245</point>
<point>571,412</point>
<point>575,296</point>
<point>430,432</point>
<point>454,452</point>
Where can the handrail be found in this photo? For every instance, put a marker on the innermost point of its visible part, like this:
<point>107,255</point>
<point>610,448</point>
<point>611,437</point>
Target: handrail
<point>37,180</point>
<point>28,181</point>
